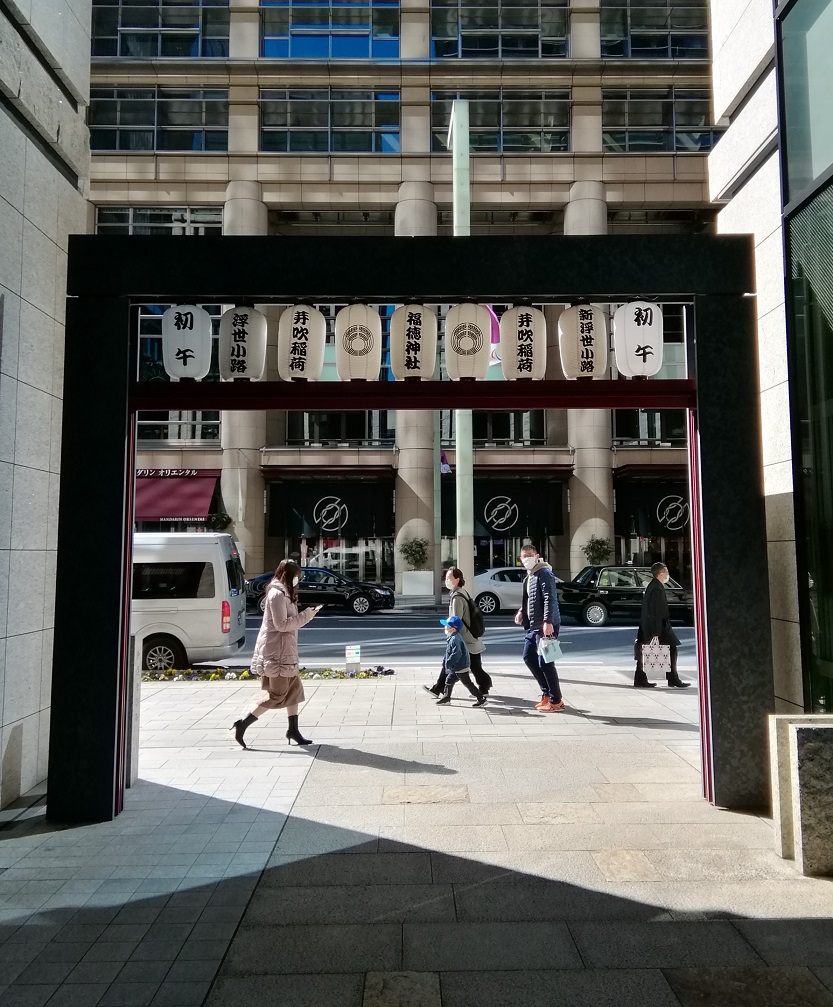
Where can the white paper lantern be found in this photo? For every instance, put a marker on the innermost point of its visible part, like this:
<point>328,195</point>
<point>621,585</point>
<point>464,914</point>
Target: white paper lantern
<point>468,341</point>
<point>637,339</point>
<point>582,339</point>
<point>186,341</point>
<point>523,343</point>
<point>302,335</point>
<point>413,342</point>
<point>242,344</point>
<point>358,343</point>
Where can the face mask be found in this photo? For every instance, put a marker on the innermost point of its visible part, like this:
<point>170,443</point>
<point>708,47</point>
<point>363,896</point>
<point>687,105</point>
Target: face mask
<point>450,584</point>
<point>296,581</point>
<point>529,562</point>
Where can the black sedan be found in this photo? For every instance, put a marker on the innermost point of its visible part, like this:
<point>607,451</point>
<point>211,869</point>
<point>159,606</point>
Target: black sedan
<point>320,586</point>
<point>600,593</point>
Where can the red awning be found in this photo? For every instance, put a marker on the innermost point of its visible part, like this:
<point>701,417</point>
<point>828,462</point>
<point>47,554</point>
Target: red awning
<point>174,498</point>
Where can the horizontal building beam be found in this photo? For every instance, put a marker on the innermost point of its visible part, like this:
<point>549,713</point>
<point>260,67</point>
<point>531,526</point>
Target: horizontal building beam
<point>359,395</point>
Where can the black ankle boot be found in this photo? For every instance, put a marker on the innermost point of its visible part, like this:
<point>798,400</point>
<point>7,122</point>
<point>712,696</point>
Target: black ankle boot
<point>239,728</point>
<point>293,734</point>
<point>674,681</point>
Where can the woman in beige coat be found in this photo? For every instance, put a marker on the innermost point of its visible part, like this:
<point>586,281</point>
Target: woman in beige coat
<point>459,602</point>
<point>275,656</point>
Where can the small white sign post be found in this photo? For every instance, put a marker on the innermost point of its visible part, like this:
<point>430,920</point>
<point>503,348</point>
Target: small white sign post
<point>352,657</point>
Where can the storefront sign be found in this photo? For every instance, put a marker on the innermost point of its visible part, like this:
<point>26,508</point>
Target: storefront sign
<point>242,349</point>
<point>358,343</point>
<point>186,341</point>
<point>302,333</point>
<point>351,508</point>
<point>413,342</point>
<point>582,339</point>
<point>645,508</point>
<point>637,339</point>
<point>523,343</point>
<point>468,341</point>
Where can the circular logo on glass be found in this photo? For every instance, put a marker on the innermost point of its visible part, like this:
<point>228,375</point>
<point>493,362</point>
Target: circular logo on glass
<point>501,513</point>
<point>330,514</point>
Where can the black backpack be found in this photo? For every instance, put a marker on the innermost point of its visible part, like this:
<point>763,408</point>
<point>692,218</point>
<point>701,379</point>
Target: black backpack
<point>475,625</point>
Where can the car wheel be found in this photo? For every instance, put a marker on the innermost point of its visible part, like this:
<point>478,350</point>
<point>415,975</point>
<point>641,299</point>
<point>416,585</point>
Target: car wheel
<point>360,604</point>
<point>262,603</point>
<point>162,653</point>
<point>595,614</point>
<point>488,603</point>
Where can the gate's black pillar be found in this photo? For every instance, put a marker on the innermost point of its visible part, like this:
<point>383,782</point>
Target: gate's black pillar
<point>83,784</point>
<point>734,551</point>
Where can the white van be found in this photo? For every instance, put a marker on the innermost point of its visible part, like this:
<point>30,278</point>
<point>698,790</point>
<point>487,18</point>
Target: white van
<point>189,601</point>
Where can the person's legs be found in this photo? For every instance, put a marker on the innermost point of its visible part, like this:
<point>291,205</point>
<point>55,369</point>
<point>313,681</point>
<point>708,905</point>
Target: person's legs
<point>531,659</point>
<point>438,688</point>
<point>640,679</point>
<point>465,678</point>
<point>553,685</point>
<point>674,680</point>
<point>448,688</point>
<point>480,675</point>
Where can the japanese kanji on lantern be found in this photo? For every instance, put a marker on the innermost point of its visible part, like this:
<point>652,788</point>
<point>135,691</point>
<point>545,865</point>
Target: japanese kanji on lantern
<point>523,343</point>
<point>358,343</point>
<point>242,344</point>
<point>302,335</point>
<point>186,341</point>
<point>582,340</point>
<point>637,339</point>
<point>468,341</point>
<point>413,342</point>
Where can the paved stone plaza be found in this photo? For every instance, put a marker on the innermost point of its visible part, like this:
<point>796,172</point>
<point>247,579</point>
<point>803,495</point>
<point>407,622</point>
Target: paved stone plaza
<point>414,857</point>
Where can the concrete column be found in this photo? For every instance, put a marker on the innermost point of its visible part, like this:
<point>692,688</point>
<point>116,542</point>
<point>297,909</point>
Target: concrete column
<point>584,29</point>
<point>416,214</point>
<point>244,29</point>
<point>243,121</point>
<point>414,29</point>
<point>586,120</point>
<point>591,486</point>
<point>243,434</point>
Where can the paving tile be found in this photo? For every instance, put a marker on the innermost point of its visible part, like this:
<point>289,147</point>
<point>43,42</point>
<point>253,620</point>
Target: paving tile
<point>661,945</point>
<point>747,987</point>
<point>516,867</point>
<point>356,869</point>
<point>27,996</point>
<point>129,995</point>
<point>184,994</point>
<point>580,837</point>
<point>347,948</point>
<point>588,988</point>
<point>351,904</point>
<point>451,838</point>
<point>141,972</point>
<point>545,901</point>
<point>558,814</point>
<point>625,865</point>
<point>476,946</point>
<point>78,995</point>
<point>288,991</point>
<point>791,941</point>
<point>402,989</point>
<point>425,795</point>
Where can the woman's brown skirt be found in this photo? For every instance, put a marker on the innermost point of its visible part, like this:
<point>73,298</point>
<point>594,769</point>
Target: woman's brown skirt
<point>280,691</point>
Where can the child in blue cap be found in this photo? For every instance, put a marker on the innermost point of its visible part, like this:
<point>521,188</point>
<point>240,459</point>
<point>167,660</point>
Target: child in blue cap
<point>457,662</point>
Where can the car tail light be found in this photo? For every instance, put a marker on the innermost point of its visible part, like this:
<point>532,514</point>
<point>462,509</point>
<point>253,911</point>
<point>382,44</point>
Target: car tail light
<point>226,617</point>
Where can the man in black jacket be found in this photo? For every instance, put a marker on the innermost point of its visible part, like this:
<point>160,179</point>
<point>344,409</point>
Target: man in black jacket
<point>655,621</point>
<point>539,616</point>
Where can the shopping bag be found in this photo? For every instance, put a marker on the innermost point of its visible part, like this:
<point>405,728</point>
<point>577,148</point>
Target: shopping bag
<point>656,656</point>
<point>549,649</point>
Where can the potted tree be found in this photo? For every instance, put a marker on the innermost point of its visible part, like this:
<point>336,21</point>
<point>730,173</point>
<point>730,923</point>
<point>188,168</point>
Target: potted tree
<point>419,580</point>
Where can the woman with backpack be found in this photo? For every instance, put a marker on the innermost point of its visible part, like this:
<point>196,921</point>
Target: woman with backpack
<point>461,604</point>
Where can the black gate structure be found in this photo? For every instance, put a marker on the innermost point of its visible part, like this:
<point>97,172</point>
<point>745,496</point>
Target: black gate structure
<point>107,275</point>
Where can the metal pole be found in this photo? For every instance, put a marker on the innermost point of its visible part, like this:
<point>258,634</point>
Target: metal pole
<point>464,462</point>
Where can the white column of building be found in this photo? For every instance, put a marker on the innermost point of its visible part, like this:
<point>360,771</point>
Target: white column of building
<point>243,434</point>
<point>415,216</point>
<point>591,487</point>
<point>244,29</point>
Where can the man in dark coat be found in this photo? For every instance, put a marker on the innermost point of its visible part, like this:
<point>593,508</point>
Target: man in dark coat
<point>655,621</point>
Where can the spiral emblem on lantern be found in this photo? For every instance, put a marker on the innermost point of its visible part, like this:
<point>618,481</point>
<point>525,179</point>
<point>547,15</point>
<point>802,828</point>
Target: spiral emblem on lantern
<point>357,340</point>
<point>466,339</point>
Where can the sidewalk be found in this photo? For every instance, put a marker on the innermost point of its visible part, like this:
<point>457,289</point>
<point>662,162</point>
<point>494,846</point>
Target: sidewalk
<point>415,857</point>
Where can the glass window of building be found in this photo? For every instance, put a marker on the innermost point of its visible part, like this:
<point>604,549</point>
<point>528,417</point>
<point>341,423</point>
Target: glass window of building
<point>329,120</point>
<point>807,76</point>
<point>149,29</point>
<point>506,120</point>
<point>159,220</point>
<point>178,426</point>
<point>158,118</point>
<point>650,121</point>
<point>655,29</point>
<point>341,29</point>
<point>504,29</point>
<point>810,296</point>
